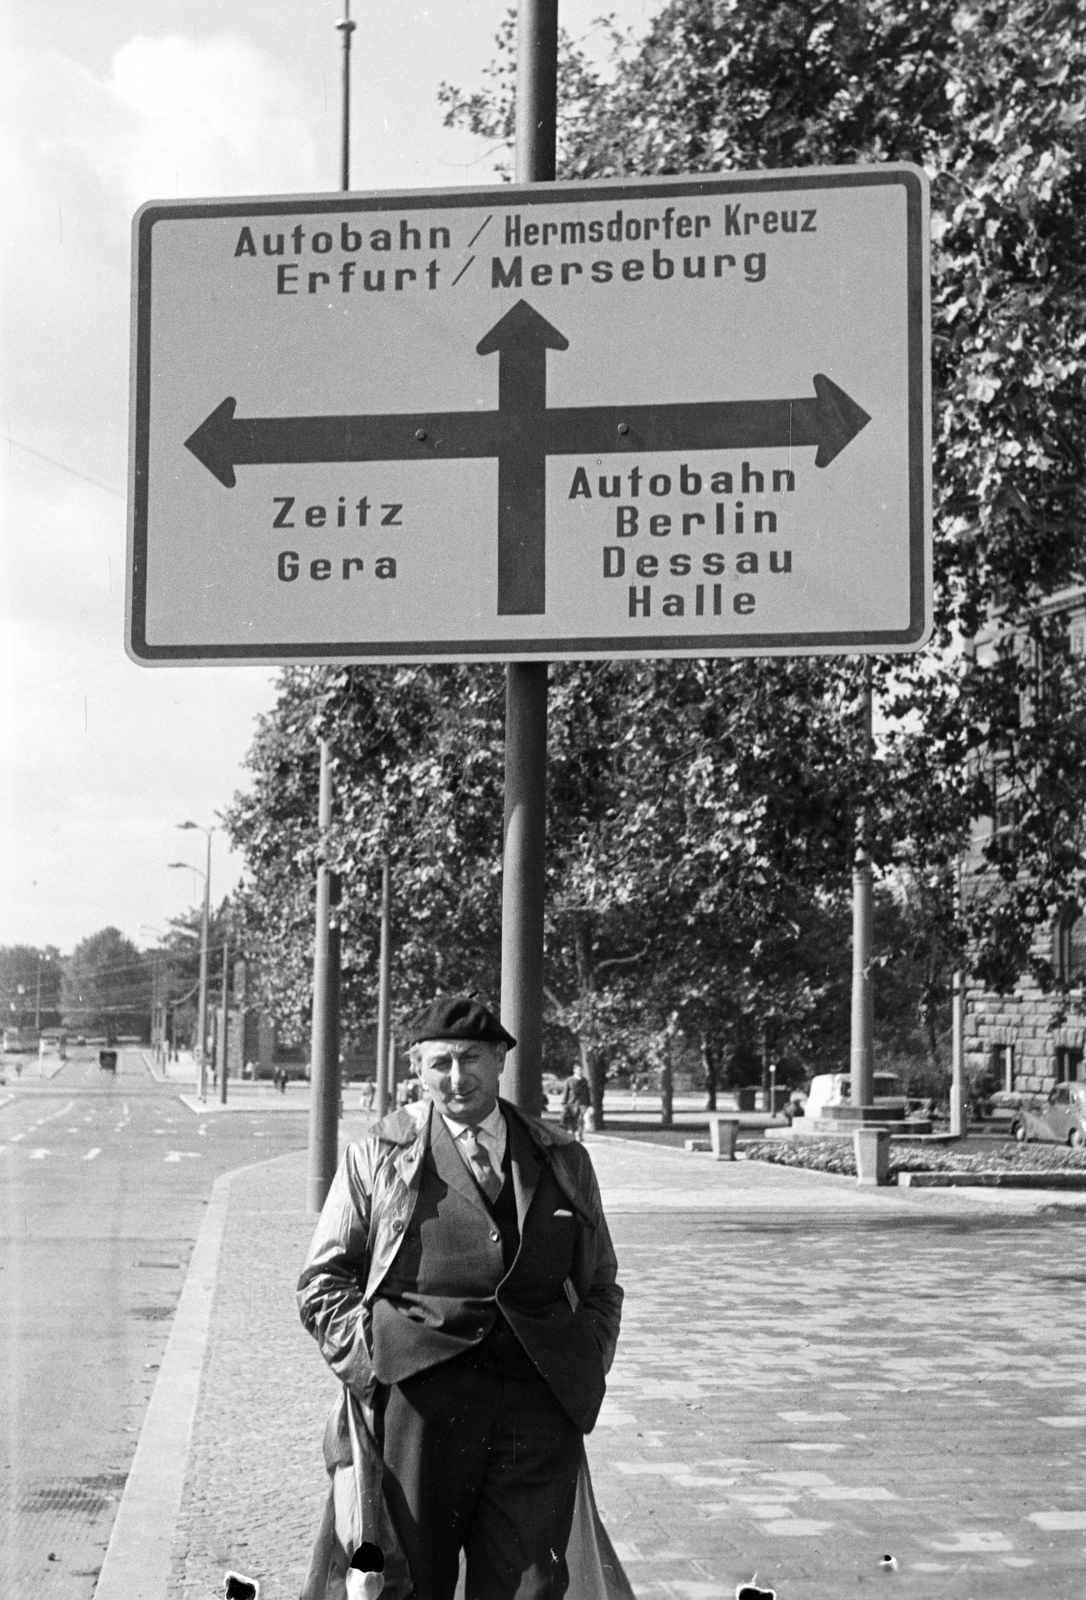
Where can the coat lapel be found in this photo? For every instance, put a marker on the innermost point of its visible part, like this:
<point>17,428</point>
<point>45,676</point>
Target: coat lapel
<point>524,1161</point>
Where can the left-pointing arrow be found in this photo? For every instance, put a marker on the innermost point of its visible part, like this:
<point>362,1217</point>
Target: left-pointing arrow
<point>224,441</point>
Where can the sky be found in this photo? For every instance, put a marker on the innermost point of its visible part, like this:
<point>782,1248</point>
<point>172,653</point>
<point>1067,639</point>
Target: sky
<point>107,106</point>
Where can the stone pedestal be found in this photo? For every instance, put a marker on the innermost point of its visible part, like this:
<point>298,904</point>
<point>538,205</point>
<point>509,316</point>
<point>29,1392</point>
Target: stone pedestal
<point>722,1132</point>
<point>872,1147</point>
<point>863,1116</point>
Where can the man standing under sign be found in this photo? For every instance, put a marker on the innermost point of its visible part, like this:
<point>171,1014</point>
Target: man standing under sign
<point>461,1284</point>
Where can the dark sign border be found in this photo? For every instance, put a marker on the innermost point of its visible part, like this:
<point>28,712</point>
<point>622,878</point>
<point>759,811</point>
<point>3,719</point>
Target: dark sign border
<point>912,637</point>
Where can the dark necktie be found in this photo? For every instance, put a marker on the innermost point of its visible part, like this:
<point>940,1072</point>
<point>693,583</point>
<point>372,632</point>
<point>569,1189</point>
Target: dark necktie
<point>489,1181</point>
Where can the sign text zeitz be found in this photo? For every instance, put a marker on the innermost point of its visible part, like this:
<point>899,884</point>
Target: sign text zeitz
<point>681,416</point>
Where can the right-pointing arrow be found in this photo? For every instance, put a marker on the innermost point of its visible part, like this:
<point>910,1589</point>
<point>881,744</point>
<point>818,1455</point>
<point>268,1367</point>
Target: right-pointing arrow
<point>830,421</point>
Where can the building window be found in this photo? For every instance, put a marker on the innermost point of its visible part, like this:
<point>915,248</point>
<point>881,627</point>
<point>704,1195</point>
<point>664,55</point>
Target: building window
<point>1068,1064</point>
<point>1070,945</point>
<point>1004,840</point>
<point>1001,1066</point>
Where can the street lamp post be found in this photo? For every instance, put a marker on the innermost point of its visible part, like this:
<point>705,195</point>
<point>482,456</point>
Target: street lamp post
<point>224,1020</point>
<point>202,1022</point>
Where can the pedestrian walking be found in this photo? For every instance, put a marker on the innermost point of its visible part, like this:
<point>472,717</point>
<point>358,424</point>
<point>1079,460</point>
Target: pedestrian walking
<point>576,1103</point>
<point>461,1284</point>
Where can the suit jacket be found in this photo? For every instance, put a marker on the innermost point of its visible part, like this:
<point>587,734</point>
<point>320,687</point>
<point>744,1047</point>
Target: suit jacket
<point>368,1216</point>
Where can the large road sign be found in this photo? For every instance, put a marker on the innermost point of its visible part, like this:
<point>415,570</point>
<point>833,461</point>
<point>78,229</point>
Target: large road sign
<point>684,416</point>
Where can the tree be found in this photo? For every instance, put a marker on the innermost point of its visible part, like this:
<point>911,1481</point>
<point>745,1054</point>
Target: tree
<point>991,100</point>
<point>678,873</point>
<point>175,967</point>
<point>702,815</point>
<point>106,986</point>
<point>22,968</point>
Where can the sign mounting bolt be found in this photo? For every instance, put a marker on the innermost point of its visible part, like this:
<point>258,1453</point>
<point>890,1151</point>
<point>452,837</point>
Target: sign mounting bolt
<point>420,433</point>
<point>624,427</point>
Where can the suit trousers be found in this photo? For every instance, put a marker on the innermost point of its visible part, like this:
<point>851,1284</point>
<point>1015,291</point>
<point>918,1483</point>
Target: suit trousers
<point>485,1461</point>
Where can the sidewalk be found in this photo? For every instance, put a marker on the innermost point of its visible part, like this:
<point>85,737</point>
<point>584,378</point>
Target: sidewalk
<point>811,1377</point>
<point>242,1094</point>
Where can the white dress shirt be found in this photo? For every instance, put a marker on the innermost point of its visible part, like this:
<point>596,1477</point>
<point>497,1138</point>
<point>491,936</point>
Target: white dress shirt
<point>491,1133</point>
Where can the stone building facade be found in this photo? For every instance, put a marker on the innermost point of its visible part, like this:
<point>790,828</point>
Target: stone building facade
<point>1028,1040</point>
<point>1012,1040</point>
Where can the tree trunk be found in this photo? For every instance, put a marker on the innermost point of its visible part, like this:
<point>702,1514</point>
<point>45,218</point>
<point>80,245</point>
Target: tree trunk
<point>666,1102</point>
<point>595,1067</point>
<point>709,1062</point>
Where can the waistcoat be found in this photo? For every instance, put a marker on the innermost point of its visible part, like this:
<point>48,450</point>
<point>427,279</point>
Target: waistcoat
<point>438,1298</point>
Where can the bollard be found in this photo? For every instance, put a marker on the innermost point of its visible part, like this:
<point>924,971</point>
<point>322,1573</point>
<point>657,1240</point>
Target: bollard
<point>872,1155</point>
<point>722,1132</point>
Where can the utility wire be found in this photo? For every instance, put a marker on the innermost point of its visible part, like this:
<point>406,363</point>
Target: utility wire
<point>64,467</point>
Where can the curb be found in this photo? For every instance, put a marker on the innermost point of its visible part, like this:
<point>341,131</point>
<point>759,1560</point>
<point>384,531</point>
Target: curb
<point>740,1155</point>
<point>204,1108</point>
<point>137,1560</point>
<point>1060,1181</point>
<point>161,1077</point>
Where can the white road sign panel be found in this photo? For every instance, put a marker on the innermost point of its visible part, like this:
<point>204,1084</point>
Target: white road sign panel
<point>685,416</point>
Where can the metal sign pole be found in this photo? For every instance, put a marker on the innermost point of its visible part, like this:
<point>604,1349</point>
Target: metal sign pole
<point>524,862</point>
<point>381,1075</point>
<point>224,1020</point>
<point>324,1061</point>
<point>862,1066</point>
<point>325,1088</point>
<point>201,1024</point>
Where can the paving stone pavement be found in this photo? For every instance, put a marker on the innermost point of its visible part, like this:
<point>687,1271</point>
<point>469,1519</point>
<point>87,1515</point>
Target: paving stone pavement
<point>810,1378</point>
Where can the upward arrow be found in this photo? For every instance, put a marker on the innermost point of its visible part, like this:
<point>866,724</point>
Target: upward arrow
<point>522,433</point>
<point>521,340</point>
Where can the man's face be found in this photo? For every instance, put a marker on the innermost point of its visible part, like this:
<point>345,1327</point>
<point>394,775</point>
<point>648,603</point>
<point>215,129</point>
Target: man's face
<point>461,1076</point>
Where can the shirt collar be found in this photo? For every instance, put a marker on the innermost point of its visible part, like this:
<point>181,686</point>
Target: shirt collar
<point>490,1124</point>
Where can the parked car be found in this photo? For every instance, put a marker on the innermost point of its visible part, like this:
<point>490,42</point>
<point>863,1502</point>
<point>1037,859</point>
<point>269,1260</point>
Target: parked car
<point>1059,1118</point>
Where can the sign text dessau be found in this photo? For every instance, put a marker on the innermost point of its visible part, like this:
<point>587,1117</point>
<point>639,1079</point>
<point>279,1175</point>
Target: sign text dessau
<point>659,417</point>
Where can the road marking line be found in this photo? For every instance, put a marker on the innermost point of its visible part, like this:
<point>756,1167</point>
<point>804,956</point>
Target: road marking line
<point>16,1137</point>
<point>53,1115</point>
<point>178,1155</point>
<point>38,1155</point>
<point>90,1155</point>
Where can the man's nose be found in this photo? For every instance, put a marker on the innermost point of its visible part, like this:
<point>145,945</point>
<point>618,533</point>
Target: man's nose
<point>458,1074</point>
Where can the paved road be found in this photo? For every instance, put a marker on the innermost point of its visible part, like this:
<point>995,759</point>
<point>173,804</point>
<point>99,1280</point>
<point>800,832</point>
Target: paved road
<point>103,1181</point>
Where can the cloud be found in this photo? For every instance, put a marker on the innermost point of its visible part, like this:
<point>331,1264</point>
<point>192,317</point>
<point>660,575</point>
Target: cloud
<point>216,118</point>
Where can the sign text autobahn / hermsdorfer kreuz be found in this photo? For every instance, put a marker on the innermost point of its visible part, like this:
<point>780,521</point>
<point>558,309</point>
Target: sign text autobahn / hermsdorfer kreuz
<point>678,416</point>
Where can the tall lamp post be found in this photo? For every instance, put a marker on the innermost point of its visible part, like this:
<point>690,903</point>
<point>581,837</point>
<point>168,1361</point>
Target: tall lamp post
<point>202,1022</point>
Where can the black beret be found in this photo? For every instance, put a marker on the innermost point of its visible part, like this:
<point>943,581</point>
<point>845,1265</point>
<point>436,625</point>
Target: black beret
<point>457,1016</point>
